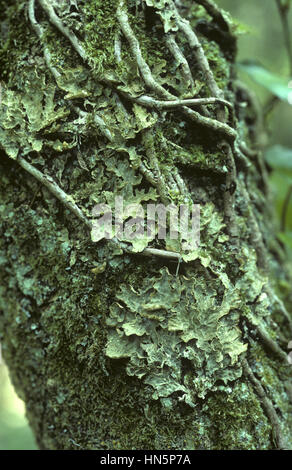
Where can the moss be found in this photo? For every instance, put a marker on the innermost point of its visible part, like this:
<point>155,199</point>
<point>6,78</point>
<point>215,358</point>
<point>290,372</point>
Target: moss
<point>237,420</point>
<point>100,28</point>
<point>220,67</point>
<point>110,350</point>
<point>16,41</point>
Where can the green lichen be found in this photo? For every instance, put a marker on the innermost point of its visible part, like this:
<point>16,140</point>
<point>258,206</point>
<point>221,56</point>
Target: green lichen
<point>111,350</point>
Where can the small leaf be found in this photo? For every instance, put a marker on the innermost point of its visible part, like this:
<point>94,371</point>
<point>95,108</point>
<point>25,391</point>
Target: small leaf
<point>279,158</point>
<point>275,84</point>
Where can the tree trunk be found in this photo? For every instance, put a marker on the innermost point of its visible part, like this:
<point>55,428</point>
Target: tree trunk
<point>119,344</point>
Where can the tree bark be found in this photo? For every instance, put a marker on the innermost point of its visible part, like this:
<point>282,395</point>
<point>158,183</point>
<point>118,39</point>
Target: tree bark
<point>118,344</point>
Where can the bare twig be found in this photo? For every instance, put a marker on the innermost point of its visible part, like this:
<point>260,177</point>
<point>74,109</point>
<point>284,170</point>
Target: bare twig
<point>267,405</point>
<point>215,12</point>
<point>50,184</point>
<point>271,344</point>
<point>56,21</point>
<point>150,102</point>
<point>180,58</point>
<point>118,48</point>
<point>255,233</point>
<point>229,194</point>
<point>145,71</point>
<point>282,307</point>
<point>69,203</point>
<point>136,50</point>
<point>196,46</point>
<point>160,184</point>
<point>40,32</point>
<point>97,120</point>
<point>150,81</point>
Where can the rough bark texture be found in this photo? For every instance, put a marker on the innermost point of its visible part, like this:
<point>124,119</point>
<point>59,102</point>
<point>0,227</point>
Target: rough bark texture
<point>117,350</point>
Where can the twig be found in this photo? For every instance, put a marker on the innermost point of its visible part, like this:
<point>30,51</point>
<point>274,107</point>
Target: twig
<point>147,139</point>
<point>283,12</point>
<point>267,405</point>
<point>135,47</point>
<point>195,44</point>
<point>216,14</point>
<point>56,21</point>
<point>247,151</point>
<point>150,102</point>
<point>270,343</point>
<point>68,202</point>
<point>97,120</point>
<point>143,66</point>
<point>49,183</point>
<point>229,194</point>
<point>241,157</point>
<point>282,307</point>
<point>180,58</point>
<point>182,61</point>
<point>150,81</point>
<point>40,32</point>
<point>255,233</point>
<point>118,47</point>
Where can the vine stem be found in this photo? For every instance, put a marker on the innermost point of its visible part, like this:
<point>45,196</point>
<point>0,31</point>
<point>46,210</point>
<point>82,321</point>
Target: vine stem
<point>267,405</point>
<point>69,203</point>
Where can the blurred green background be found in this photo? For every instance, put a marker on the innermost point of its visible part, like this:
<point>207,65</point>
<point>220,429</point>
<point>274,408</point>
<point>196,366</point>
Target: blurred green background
<point>264,43</point>
<point>14,431</point>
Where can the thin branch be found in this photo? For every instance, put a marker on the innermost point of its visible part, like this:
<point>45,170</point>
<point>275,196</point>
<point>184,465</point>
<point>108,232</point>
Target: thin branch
<point>50,184</point>
<point>136,50</point>
<point>195,44</point>
<point>282,307</point>
<point>150,81</point>
<point>271,344</point>
<point>241,157</point>
<point>213,10</point>
<point>229,194</point>
<point>255,233</point>
<point>216,13</point>
<point>40,32</point>
<point>97,120</point>
<point>118,47</point>
<point>212,124</point>
<point>180,58</point>
<point>69,203</point>
<point>182,61</point>
<point>56,21</point>
<point>147,139</point>
<point>150,102</point>
<point>247,151</point>
<point>267,405</point>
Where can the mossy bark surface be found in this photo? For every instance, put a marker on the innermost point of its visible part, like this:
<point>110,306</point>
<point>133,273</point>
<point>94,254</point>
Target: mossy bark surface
<point>109,348</point>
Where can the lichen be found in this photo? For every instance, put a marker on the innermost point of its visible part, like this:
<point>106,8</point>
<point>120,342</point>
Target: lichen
<point>111,350</point>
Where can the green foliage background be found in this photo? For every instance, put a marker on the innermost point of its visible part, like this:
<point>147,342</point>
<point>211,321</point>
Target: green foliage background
<point>263,42</point>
